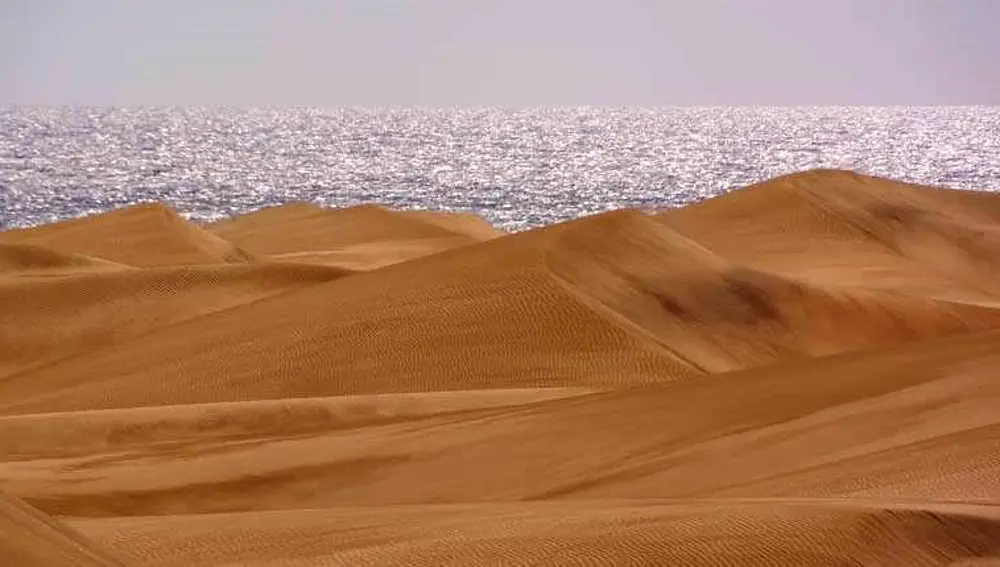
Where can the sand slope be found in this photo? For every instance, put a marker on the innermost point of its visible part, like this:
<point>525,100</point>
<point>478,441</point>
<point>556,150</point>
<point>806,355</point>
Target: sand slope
<point>99,432</point>
<point>842,227</point>
<point>874,424</point>
<point>454,320</point>
<point>643,306</point>
<point>802,372</point>
<point>29,538</point>
<point>721,316</point>
<point>141,235</point>
<point>459,223</point>
<point>56,318</point>
<point>592,533</point>
<point>26,260</point>
<point>299,227</point>
<point>360,238</point>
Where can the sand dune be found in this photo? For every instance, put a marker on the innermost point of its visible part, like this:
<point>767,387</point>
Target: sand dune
<point>720,316</point>
<point>610,300</point>
<point>29,538</point>
<point>837,226</point>
<point>489,315</point>
<point>141,235</point>
<point>894,416</point>
<point>360,238</point>
<point>299,227</point>
<point>459,223</point>
<point>26,260</point>
<point>374,255</point>
<point>802,372</point>
<point>56,318</point>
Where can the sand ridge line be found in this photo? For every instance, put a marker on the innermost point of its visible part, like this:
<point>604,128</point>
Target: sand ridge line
<point>478,306</point>
<point>447,321</point>
<point>143,235</point>
<point>361,237</point>
<point>829,225</point>
<point>521,398</point>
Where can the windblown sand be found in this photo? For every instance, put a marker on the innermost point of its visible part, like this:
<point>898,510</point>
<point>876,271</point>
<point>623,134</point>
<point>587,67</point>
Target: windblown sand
<point>801,372</point>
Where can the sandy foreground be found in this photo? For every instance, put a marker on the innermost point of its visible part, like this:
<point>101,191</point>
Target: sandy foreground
<point>801,372</point>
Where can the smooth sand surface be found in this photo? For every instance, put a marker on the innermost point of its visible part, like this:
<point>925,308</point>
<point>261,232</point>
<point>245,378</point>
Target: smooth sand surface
<point>801,372</point>
<point>29,538</point>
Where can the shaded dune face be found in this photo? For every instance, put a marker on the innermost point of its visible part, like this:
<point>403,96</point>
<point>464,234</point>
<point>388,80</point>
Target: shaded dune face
<point>844,228</point>
<point>800,372</point>
<point>720,316</point>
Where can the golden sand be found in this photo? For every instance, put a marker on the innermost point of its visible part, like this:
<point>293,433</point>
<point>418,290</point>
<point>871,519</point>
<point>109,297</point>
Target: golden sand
<point>800,372</point>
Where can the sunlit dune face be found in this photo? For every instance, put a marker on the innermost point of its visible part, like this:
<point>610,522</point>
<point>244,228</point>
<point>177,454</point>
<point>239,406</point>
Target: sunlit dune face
<point>800,372</point>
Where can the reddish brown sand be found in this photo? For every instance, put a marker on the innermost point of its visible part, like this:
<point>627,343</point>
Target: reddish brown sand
<point>801,372</point>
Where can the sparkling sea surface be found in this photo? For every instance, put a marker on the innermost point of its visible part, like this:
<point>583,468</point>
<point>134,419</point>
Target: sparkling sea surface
<point>518,168</point>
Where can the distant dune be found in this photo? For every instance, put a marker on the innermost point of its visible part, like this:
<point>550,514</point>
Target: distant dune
<point>800,372</point>
<point>459,223</point>
<point>360,238</point>
<point>142,236</point>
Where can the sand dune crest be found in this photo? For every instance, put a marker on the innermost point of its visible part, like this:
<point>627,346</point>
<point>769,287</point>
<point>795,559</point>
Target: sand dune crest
<point>460,223</point>
<point>720,316</point>
<point>645,305</point>
<point>360,237</point>
<point>801,372</point>
<point>140,235</point>
<point>447,321</point>
<point>846,228</point>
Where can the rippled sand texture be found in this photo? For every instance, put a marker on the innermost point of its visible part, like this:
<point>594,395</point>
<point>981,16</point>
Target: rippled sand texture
<point>801,372</point>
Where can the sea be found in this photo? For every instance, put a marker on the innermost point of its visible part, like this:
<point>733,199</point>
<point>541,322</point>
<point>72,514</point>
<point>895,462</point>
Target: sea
<point>518,168</point>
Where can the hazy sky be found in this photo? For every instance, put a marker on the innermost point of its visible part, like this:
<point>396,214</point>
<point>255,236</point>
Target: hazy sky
<point>499,52</point>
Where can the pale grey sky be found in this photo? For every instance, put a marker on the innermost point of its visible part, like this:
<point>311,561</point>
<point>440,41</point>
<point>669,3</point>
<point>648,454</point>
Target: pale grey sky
<point>499,52</point>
